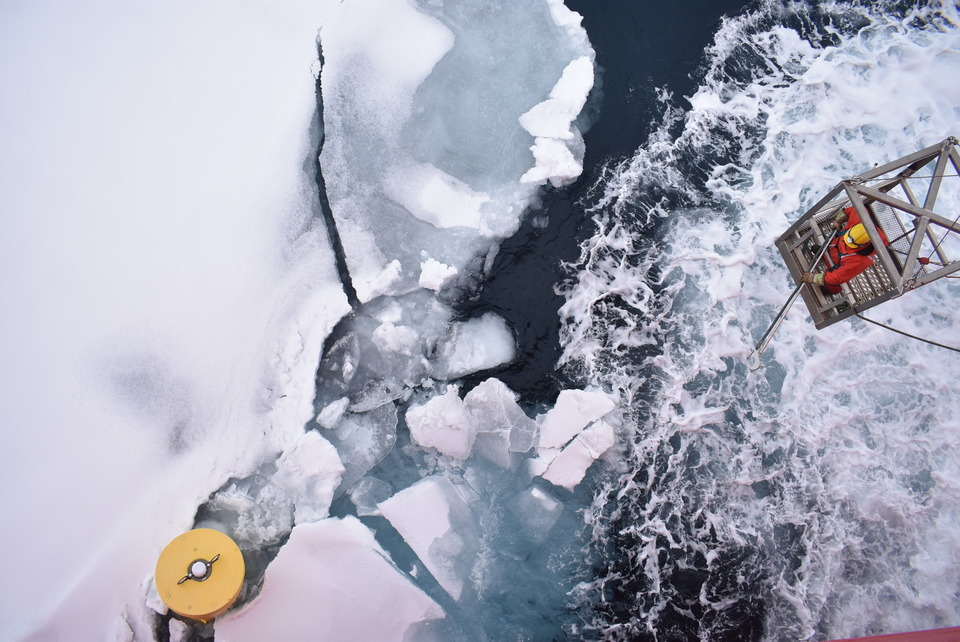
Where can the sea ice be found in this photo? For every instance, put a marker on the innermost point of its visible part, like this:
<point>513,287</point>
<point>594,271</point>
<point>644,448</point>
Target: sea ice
<point>495,410</point>
<point>368,493</point>
<point>553,117</point>
<point>434,274</point>
<point>363,439</point>
<point>206,277</point>
<point>538,512</point>
<point>474,345</point>
<point>568,468</point>
<point>384,282</point>
<point>574,410</point>
<point>443,423</point>
<point>559,147</point>
<point>494,446</point>
<point>437,198</point>
<point>424,149</point>
<point>331,581</point>
<point>332,412</point>
<point>309,472</point>
<point>438,525</point>
<point>255,511</point>
<point>401,340</point>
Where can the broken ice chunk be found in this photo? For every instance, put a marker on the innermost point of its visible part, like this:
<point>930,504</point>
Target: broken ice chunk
<point>443,423</point>
<point>434,274</point>
<point>324,584</point>
<point>309,472</point>
<point>538,512</point>
<point>574,410</point>
<point>363,439</point>
<point>398,339</point>
<point>568,468</point>
<point>383,283</point>
<point>367,493</point>
<point>332,412</point>
<point>559,145</point>
<point>502,425</point>
<point>555,162</point>
<point>436,197</point>
<point>494,446</point>
<point>434,520</point>
<point>477,344</point>
<point>553,117</point>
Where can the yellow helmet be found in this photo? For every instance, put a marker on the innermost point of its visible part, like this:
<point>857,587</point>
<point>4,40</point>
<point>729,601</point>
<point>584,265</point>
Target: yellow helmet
<point>856,236</point>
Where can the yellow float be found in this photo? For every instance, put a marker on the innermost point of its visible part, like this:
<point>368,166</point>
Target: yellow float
<point>200,573</point>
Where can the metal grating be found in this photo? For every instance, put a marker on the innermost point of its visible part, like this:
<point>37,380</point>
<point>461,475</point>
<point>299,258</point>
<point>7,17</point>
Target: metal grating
<point>886,200</point>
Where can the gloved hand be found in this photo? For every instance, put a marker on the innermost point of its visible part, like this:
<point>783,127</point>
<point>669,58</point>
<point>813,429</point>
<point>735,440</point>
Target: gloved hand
<point>839,221</point>
<point>809,277</point>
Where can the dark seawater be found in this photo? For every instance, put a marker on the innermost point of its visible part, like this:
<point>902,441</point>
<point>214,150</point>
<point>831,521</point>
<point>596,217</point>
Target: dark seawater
<point>685,551</point>
<point>642,48</point>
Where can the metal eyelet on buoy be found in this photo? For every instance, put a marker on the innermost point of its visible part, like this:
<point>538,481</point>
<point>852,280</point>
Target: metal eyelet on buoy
<point>200,573</point>
<point>199,570</point>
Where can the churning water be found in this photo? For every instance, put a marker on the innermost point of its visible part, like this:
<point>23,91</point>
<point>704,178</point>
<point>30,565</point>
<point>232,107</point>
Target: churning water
<point>820,496</point>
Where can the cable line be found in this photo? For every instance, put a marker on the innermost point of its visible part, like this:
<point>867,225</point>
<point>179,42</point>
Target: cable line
<point>907,334</point>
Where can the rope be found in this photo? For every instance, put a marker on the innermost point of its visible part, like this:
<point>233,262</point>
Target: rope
<point>886,178</point>
<point>907,334</point>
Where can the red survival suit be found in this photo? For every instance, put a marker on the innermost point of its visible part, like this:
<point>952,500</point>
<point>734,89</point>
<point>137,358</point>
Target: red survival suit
<point>846,262</point>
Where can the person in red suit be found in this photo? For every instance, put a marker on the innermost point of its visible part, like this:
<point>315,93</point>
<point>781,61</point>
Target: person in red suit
<point>848,255</point>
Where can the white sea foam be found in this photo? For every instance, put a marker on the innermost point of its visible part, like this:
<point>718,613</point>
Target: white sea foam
<point>823,479</point>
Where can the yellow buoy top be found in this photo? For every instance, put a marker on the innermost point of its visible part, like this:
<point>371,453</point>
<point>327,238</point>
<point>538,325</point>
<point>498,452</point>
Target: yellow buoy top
<point>200,573</point>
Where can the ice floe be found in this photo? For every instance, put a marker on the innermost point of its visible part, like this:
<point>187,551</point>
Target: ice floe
<point>439,527</point>
<point>331,581</point>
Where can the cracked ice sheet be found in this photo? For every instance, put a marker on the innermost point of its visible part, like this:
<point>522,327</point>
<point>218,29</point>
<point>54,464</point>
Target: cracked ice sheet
<point>174,276</point>
<point>424,148</point>
<point>330,582</point>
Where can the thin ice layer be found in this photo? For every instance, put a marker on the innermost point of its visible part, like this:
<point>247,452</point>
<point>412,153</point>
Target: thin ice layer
<point>424,147</point>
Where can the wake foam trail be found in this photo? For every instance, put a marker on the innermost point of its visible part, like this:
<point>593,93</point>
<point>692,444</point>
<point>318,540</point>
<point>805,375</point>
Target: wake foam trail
<point>817,498</point>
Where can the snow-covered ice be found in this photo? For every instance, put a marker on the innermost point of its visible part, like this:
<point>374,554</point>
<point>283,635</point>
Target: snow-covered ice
<point>332,581</point>
<point>573,411</point>
<point>559,147</point>
<point>477,344</point>
<point>434,274</point>
<point>443,423</point>
<point>309,472</point>
<point>173,284</point>
<point>568,468</point>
